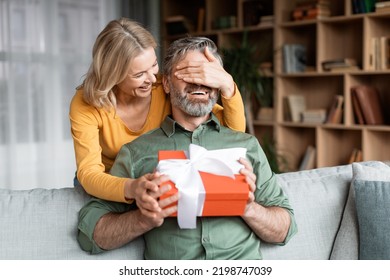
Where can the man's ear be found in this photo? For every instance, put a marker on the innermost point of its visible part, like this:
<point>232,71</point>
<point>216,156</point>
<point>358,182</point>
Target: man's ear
<point>165,84</point>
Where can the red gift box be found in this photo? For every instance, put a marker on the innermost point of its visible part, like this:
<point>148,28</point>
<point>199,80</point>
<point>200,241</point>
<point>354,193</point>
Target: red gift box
<point>224,196</point>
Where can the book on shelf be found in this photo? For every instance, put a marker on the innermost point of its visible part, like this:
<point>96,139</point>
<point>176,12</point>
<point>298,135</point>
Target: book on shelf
<point>309,158</point>
<point>177,25</point>
<point>225,22</point>
<point>357,110</point>
<point>379,53</point>
<point>257,12</point>
<point>356,156</point>
<point>251,12</point>
<point>294,58</point>
<point>314,116</point>
<point>334,64</point>
<point>335,115</point>
<point>265,114</point>
<point>201,20</point>
<point>363,6</point>
<point>367,106</point>
<point>294,106</point>
<point>267,21</point>
<point>382,6</point>
<point>384,52</point>
<point>311,10</point>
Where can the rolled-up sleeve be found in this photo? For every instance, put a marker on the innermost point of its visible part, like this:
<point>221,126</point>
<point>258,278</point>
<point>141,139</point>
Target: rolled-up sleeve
<point>89,215</point>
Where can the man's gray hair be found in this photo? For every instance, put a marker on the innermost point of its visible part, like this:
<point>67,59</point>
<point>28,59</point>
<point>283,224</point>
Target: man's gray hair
<point>180,47</point>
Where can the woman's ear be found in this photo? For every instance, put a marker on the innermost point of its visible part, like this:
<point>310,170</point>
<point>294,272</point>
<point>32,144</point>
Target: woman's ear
<point>165,84</point>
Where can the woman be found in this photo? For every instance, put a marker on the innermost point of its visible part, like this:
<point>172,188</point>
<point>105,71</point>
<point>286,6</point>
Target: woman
<point>120,99</point>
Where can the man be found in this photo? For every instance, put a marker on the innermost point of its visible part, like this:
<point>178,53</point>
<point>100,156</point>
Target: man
<point>268,216</point>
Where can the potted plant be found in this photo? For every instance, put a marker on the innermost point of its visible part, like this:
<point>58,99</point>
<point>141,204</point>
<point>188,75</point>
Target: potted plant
<point>243,64</point>
<point>277,161</point>
<point>253,77</point>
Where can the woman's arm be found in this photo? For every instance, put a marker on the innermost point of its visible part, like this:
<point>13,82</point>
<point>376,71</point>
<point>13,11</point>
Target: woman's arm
<point>91,172</point>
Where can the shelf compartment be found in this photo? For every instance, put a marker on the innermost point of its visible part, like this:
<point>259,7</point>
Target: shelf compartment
<point>298,34</point>
<point>379,80</point>
<point>318,91</point>
<point>335,146</point>
<point>376,145</point>
<point>293,141</point>
<point>261,38</point>
<point>340,40</point>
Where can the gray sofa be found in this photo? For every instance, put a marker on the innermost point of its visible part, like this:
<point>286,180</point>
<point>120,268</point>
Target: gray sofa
<point>41,223</point>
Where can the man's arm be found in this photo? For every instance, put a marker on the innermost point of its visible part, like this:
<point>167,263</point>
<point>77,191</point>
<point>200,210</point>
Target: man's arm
<point>269,223</point>
<point>114,230</point>
<point>105,225</point>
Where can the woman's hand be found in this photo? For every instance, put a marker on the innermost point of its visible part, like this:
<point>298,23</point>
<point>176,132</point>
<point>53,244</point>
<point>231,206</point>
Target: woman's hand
<point>146,190</point>
<point>209,73</point>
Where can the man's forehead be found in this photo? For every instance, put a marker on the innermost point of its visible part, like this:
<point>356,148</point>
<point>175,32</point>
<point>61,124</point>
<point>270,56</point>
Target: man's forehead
<point>194,55</point>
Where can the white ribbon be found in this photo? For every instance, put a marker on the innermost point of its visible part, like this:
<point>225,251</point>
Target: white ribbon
<point>185,174</point>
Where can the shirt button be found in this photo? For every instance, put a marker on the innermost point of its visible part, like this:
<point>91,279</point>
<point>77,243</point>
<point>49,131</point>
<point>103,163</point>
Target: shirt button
<point>205,239</point>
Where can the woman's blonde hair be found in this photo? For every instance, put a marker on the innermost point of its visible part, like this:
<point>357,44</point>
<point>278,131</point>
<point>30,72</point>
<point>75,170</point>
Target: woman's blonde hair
<point>118,43</point>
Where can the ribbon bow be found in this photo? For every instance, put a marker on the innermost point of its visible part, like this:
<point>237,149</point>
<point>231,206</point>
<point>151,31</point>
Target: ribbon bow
<point>185,174</point>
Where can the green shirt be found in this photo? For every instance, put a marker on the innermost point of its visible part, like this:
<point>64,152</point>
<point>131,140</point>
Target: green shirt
<point>214,237</point>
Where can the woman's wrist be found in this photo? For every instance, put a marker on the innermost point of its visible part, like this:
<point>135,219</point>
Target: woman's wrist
<point>128,190</point>
<point>229,91</point>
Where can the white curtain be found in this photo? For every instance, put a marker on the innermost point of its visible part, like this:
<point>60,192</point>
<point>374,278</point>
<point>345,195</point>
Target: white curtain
<point>45,49</point>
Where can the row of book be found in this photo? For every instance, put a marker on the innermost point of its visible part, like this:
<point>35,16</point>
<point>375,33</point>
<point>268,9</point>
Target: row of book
<point>382,6</point>
<point>314,9</point>
<point>380,53</point>
<point>308,160</point>
<point>366,105</point>
<point>340,65</point>
<point>363,6</point>
<point>295,110</point>
<point>294,58</point>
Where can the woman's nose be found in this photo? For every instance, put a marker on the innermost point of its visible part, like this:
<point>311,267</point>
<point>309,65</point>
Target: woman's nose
<point>152,76</point>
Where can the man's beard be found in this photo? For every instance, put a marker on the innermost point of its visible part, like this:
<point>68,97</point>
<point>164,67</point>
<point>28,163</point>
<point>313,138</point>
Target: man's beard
<point>193,107</point>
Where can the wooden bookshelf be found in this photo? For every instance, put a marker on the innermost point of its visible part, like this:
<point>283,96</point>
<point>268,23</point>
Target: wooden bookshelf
<point>342,34</point>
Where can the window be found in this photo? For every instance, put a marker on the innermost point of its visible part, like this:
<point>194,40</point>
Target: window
<point>45,49</point>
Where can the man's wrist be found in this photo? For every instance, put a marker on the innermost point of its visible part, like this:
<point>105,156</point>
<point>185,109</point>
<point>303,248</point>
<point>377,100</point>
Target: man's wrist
<point>142,223</point>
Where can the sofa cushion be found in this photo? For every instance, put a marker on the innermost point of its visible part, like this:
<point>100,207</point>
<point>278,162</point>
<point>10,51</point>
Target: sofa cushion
<point>318,197</point>
<point>42,224</point>
<point>346,245</point>
<point>373,212</point>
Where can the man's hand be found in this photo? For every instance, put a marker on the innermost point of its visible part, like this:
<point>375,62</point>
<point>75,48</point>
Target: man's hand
<point>155,219</point>
<point>250,178</point>
<point>208,73</point>
<point>271,224</point>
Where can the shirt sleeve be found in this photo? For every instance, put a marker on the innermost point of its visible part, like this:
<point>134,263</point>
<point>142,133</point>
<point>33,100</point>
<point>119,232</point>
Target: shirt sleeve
<point>91,171</point>
<point>269,192</point>
<point>89,215</point>
<point>232,113</point>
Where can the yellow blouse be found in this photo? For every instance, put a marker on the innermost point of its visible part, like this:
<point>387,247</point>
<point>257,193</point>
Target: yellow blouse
<point>99,134</point>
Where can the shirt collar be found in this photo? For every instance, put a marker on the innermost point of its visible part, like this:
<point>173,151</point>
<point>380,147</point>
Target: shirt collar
<point>169,125</point>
